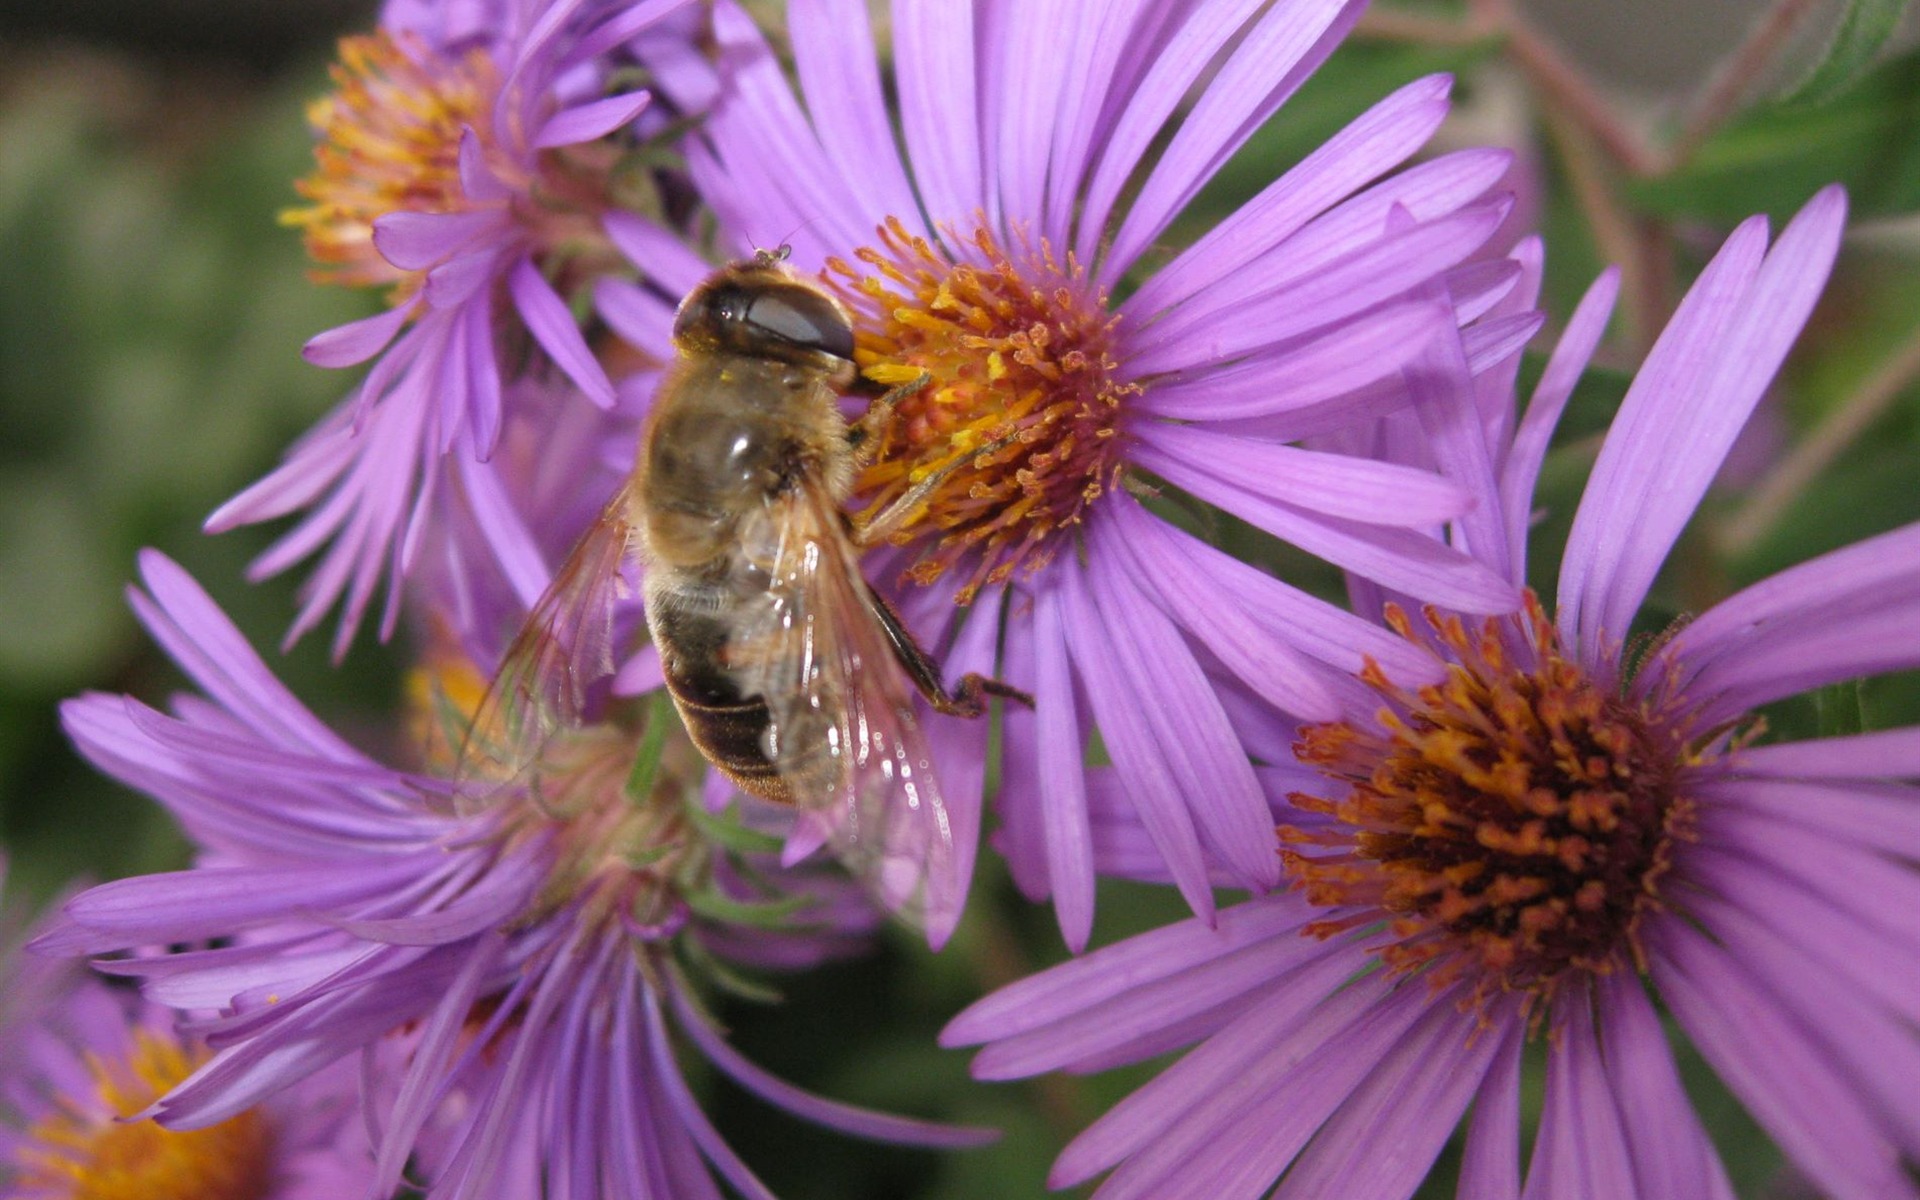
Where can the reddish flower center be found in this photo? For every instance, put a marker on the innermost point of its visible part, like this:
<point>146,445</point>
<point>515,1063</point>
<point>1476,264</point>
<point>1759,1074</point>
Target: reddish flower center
<point>1514,820</point>
<point>82,1152</point>
<point>389,142</point>
<point>1018,354</point>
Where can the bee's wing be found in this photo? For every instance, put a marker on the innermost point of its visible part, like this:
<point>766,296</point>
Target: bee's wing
<point>563,648</point>
<point>843,733</point>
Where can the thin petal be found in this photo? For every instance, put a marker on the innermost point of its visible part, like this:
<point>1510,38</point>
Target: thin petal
<point>1569,360</point>
<point>554,327</point>
<point>1682,414</point>
<point>590,121</point>
<point>934,68</point>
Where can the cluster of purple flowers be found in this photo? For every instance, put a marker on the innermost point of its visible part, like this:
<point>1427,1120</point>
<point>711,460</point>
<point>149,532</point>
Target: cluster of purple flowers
<point>1466,819</point>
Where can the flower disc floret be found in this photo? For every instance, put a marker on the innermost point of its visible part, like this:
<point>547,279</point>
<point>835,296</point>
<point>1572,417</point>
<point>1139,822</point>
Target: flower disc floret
<point>389,141</point>
<point>86,1149</point>
<point>1513,821</point>
<point>1022,391</point>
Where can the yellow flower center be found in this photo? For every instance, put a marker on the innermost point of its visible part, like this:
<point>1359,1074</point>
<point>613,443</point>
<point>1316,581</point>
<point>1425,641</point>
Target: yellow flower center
<point>81,1152</point>
<point>1020,354</point>
<point>1513,821</point>
<point>389,141</point>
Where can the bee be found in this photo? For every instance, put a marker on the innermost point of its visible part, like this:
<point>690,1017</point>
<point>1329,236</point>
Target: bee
<point>792,675</point>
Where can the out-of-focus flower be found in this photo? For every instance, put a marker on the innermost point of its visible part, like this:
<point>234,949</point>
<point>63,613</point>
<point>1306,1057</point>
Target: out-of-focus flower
<point>81,1062</point>
<point>1067,370</point>
<point>465,164</point>
<point>520,957</point>
<point>1539,831</point>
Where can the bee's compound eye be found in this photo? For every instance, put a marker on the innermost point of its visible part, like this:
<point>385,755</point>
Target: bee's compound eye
<point>802,318</point>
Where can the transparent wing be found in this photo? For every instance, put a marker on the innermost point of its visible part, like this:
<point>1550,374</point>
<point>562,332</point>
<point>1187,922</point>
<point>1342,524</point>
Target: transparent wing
<point>564,647</point>
<point>844,733</point>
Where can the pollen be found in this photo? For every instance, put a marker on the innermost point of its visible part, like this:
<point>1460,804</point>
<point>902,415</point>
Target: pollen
<point>1511,825</point>
<point>389,141</point>
<point>1019,417</point>
<point>88,1150</point>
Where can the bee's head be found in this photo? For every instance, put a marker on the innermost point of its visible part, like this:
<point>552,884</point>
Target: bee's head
<point>759,306</point>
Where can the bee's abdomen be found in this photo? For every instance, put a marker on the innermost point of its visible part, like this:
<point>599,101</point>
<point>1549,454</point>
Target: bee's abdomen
<point>733,738</point>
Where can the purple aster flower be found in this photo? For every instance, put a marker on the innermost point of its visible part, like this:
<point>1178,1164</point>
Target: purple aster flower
<point>516,973</point>
<point>461,165</point>
<point>1541,833</point>
<point>1067,372</point>
<point>81,1061</point>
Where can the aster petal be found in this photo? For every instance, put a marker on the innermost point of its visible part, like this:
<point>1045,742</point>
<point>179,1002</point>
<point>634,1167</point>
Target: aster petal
<point>415,241</point>
<point>1881,816</point>
<point>1494,388</point>
<point>1787,632</point>
<point>1224,326</point>
<point>847,1118</point>
<point>356,341</point>
<point>1401,559</point>
<point>1521,469</point>
<point>1851,644</point>
<point>1126,1028</point>
<point>590,121</point>
<point>1884,754</point>
<point>767,150</point>
<point>934,68</point>
<point>1356,489</point>
<point>1020,94</point>
<point>1837,940</point>
<point>1382,1141</point>
<point>628,21</point>
<point>1189,745</point>
<point>1060,995</point>
<point>1581,1149</point>
<point>1262,660</point>
<point>1376,141</point>
<point>1449,415</point>
<point>1430,191</point>
<point>553,326</point>
<point>190,627</point>
<point>1061,778</point>
<point>1829,868</point>
<point>833,49</point>
<point>1672,1155</point>
<point>428,1064</point>
<point>1874,1049</point>
<point>1313,371</point>
<point>210,902</point>
<point>1330,634</point>
<point>1725,343</point>
<point>1780,1074</point>
<point>513,545</point>
<point>1132,739</point>
<point>1233,1139</point>
<point>667,1072</point>
<point>1490,1163</point>
<point>1271,61</point>
<point>1175,66</point>
<point>1099,65</point>
<point>660,255</point>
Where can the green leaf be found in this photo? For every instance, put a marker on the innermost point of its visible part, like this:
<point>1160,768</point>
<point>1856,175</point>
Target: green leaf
<point>1862,32</point>
<point>1840,709</point>
<point>1776,156</point>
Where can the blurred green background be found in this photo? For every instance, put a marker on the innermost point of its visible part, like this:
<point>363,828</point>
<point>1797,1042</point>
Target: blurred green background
<point>151,314</point>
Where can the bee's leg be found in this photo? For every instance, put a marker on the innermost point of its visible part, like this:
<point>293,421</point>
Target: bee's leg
<point>864,436</point>
<point>967,700</point>
<point>888,521</point>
